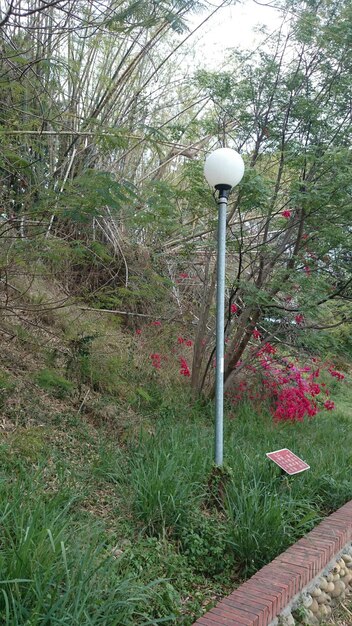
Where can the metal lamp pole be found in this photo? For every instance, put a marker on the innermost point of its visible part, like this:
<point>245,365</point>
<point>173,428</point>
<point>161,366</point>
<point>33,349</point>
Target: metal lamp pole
<point>220,326</point>
<point>223,170</point>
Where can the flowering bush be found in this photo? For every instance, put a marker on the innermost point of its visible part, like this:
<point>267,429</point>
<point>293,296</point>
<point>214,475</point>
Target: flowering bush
<point>291,389</point>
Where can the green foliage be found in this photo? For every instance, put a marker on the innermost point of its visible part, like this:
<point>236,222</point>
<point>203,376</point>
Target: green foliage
<point>85,197</point>
<point>53,382</point>
<point>28,444</point>
<point>153,495</point>
<point>51,572</point>
<point>263,524</point>
<point>206,542</point>
<point>87,536</point>
<point>165,490</point>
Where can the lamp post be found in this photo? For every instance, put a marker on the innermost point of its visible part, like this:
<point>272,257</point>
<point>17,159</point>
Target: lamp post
<point>223,169</point>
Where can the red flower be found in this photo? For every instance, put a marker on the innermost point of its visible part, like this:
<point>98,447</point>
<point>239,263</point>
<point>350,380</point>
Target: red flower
<point>307,270</point>
<point>299,319</point>
<point>336,374</point>
<point>268,349</point>
<point>286,214</point>
<point>314,389</point>
<point>293,405</point>
<point>183,275</point>
<point>156,323</point>
<point>180,340</point>
<point>184,369</point>
<point>138,331</point>
<point>256,334</point>
<point>234,308</point>
<point>156,360</point>
<point>329,405</point>
<point>189,343</point>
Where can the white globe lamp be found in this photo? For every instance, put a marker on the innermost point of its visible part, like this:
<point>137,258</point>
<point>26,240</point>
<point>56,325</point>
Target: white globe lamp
<point>224,168</point>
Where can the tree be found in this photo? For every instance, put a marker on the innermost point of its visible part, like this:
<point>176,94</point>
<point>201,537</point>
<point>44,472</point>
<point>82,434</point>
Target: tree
<point>289,232</point>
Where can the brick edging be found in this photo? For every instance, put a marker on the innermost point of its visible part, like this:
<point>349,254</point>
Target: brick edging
<point>259,600</point>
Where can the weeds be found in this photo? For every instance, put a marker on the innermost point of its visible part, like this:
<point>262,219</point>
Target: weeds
<point>101,531</point>
<point>54,383</point>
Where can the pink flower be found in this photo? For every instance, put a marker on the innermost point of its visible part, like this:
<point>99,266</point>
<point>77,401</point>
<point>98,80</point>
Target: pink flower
<point>299,319</point>
<point>138,331</point>
<point>189,343</point>
<point>156,323</point>
<point>307,270</point>
<point>329,405</point>
<point>256,334</point>
<point>180,340</point>
<point>234,308</point>
<point>286,214</point>
<point>183,275</point>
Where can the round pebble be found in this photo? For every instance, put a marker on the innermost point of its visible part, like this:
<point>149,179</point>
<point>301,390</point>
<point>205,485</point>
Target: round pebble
<point>322,598</point>
<point>316,592</point>
<point>314,607</point>
<point>339,589</point>
<point>347,558</point>
<point>323,583</point>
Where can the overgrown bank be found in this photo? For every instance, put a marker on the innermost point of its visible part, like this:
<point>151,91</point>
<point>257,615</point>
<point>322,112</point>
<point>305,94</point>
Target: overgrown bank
<point>109,513</point>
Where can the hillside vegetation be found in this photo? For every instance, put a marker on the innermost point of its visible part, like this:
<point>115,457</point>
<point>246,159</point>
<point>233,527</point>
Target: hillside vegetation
<point>111,511</point>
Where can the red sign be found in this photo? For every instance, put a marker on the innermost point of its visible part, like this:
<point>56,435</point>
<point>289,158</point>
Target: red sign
<point>288,461</point>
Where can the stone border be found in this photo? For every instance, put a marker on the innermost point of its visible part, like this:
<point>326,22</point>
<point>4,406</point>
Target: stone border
<point>261,600</point>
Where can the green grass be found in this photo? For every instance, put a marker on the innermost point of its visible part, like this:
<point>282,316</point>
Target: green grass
<point>52,382</point>
<point>98,532</point>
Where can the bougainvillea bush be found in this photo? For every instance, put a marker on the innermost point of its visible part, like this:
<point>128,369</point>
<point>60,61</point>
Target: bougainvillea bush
<point>293,390</point>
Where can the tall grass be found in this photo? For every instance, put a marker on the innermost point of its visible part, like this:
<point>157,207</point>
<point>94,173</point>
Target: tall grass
<point>57,563</point>
<point>55,573</point>
<point>167,476</point>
